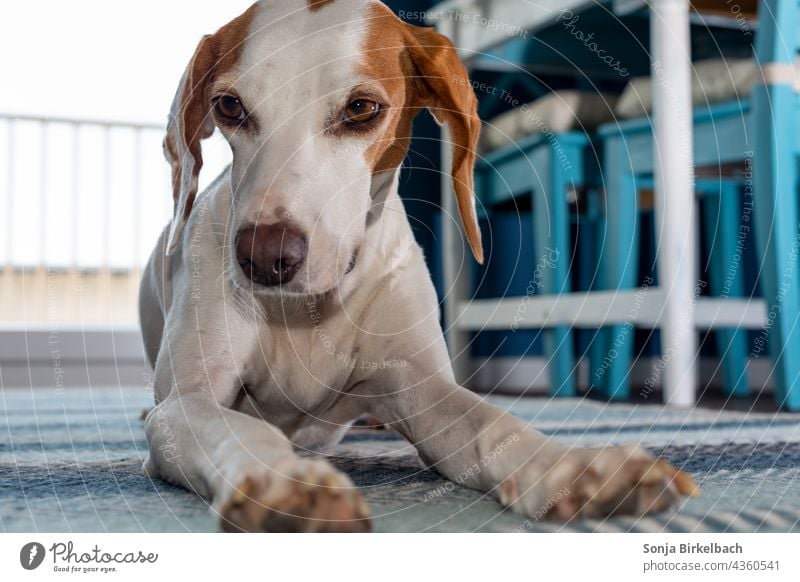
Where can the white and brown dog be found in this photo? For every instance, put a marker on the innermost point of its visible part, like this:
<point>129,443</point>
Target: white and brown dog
<point>270,291</point>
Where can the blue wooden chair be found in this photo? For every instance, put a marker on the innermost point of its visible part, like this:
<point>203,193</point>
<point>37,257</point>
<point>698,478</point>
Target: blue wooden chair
<point>764,127</point>
<point>725,240</point>
<point>549,168</point>
<point>777,145</point>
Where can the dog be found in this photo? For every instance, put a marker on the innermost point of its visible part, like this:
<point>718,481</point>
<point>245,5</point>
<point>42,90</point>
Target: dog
<point>289,298</point>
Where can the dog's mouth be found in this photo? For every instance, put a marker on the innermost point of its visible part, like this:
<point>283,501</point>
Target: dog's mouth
<point>353,261</point>
<point>249,278</point>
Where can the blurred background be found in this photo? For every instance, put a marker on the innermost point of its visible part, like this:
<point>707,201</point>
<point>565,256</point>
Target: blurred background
<point>84,187</point>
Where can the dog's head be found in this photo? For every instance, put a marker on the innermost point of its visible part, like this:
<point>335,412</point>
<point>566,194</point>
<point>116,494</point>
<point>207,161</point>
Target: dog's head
<point>316,99</point>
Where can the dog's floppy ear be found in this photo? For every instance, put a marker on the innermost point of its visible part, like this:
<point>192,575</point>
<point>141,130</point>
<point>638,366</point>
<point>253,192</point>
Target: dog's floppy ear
<point>190,119</point>
<point>189,123</point>
<point>442,83</point>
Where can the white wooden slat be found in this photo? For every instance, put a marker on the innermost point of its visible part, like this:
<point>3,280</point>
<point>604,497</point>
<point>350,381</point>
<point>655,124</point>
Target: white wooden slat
<point>599,308</point>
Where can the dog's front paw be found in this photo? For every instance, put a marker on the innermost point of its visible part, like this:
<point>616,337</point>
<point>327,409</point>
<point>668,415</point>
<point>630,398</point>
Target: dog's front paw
<point>299,495</point>
<point>595,483</point>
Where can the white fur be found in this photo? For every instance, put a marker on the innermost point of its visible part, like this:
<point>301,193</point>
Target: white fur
<point>243,377</point>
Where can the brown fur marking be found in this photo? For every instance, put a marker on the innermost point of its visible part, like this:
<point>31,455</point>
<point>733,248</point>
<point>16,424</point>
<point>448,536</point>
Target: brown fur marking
<point>315,5</point>
<point>419,68</point>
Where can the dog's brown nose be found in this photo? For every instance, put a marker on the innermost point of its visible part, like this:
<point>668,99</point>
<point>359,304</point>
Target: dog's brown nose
<point>270,254</point>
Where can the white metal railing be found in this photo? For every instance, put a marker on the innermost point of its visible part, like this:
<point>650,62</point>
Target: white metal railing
<point>81,197</point>
<point>91,194</point>
<point>65,189</point>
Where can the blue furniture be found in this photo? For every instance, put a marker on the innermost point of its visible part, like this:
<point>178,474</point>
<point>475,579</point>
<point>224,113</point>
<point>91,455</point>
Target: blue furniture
<point>777,144</point>
<point>507,273</point>
<point>725,239</point>
<point>764,130</point>
<point>720,137</point>
<point>549,168</point>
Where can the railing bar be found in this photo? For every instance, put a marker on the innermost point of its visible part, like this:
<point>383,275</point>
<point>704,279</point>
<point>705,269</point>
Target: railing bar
<point>10,201</point>
<point>106,199</point>
<point>43,197</point>
<point>74,190</point>
<point>75,194</point>
<point>71,121</point>
<point>137,197</point>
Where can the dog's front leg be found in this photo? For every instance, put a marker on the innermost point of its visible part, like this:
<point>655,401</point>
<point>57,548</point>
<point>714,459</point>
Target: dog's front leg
<point>245,466</point>
<point>479,446</point>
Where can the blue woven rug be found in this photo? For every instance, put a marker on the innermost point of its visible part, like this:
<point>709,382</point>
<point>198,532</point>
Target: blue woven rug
<point>72,462</point>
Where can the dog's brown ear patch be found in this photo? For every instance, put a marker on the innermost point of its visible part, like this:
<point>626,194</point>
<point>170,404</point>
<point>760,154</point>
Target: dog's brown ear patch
<point>420,68</point>
<point>315,5</point>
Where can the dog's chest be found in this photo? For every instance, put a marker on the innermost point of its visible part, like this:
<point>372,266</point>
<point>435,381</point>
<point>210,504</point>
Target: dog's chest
<point>300,372</point>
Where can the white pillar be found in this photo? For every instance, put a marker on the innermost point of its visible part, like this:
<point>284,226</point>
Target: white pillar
<point>674,192</point>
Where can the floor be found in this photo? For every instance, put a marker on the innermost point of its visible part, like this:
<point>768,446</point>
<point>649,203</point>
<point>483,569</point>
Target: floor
<point>71,461</point>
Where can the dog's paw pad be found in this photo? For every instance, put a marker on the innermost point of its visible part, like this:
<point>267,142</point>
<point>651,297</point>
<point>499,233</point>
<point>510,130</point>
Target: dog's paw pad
<point>305,496</point>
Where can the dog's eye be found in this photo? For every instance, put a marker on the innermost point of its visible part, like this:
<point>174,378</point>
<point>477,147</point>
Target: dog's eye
<point>229,108</point>
<point>361,111</point>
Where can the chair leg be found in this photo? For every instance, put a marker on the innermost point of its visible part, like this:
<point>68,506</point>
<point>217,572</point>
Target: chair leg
<point>726,274</point>
<point>619,267</point>
<point>599,358</point>
<point>552,255</point>
<point>585,262</point>
<point>776,217</point>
